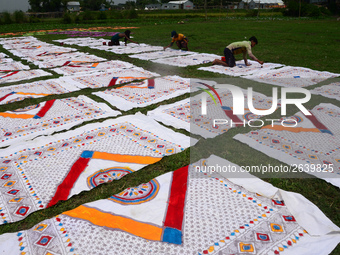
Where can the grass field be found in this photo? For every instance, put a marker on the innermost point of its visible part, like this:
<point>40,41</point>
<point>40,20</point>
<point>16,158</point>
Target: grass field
<point>306,43</point>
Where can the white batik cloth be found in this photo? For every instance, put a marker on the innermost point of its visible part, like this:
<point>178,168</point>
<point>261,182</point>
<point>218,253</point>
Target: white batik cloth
<point>12,66</point>
<point>39,173</point>
<point>147,92</point>
<point>48,117</point>
<point>53,60</point>
<point>185,212</point>
<point>331,91</point>
<point>290,76</point>
<point>4,58</point>
<point>161,54</point>
<point>187,114</point>
<point>85,68</point>
<point>311,146</point>
<point>22,75</point>
<point>83,41</point>
<point>109,78</point>
<point>189,60</point>
<point>14,93</point>
<point>132,48</point>
<point>240,68</point>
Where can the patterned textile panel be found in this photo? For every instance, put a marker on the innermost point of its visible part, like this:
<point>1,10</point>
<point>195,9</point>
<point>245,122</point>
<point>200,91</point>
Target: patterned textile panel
<point>12,66</point>
<point>184,212</point>
<point>109,78</point>
<point>84,67</point>
<point>39,173</point>
<point>187,113</point>
<point>161,54</point>
<point>48,117</point>
<point>190,60</point>
<point>22,75</point>
<point>310,142</point>
<point>240,68</point>
<point>290,76</point>
<point>331,91</point>
<point>11,94</point>
<point>150,91</point>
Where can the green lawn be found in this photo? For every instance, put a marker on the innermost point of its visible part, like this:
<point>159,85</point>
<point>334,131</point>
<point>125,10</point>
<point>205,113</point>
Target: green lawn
<point>306,43</point>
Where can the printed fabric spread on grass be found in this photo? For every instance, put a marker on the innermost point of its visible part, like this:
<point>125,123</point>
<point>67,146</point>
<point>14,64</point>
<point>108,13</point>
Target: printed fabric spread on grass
<point>187,114</point>
<point>109,78</point>
<point>161,54</point>
<point>240,68</point>
<point>185,212</point>
<point>84,67</point>
<point>331,91</point>
<point>12,66</point>
<point>39,173</point>
<point>310,142</point>
<point>46,55</point>
<point>21,75</point>
<point>190,60</point>
<point>48,117</point>
<point>150,91</point>
<point>14,93</point>
<point>290,76</point>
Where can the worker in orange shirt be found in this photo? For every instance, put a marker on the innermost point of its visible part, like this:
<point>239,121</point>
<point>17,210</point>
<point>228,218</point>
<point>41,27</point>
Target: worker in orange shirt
<point>180,39</point>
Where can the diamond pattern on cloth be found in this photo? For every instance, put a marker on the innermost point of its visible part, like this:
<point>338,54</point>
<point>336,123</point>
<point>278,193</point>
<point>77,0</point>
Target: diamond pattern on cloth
<point>39,173</point>
<point>190,60</point>
<point>290,76</point>
<point>140,94</point>
<point>109,78</point>
<point>220,217</point>
<point>187,114</point>
<point>84,67</point>
<point>309,143</point>
<point>22,75</point>
<point>331,90</point>
<point>44,119</point>
<point>241,69</point>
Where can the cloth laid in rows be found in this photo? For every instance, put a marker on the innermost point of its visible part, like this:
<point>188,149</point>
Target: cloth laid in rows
<point>190,60</point>
<point>185,212</point>
<point>147,92</point>
<point>161,54</point>
<point>54,60</point>
<point>22,75</point>
<point>187,114</point>
<point>331,90</point>
<point>109,78</point>
<point>39,173</point>
<point>12,66</point>
<point>290,76</point>
<point>308,143</point>
<point>83,41</point>
<point>83,67</point>
<point>48,117</point>
<point>14,93</point>
<point>132,48</point>
<point>240,68</point>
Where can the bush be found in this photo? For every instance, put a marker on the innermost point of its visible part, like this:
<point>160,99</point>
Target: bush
<point>19,17</point>
<point>33,19</point>
<point>7,18</point>
<point>88,15</point>
<point>77,19</point>
<point>307,10</point>
<point>102,15</point>
<point>131,14</point>
<point>116,14</point>
<point>252,13</point>
<point>67,18</point>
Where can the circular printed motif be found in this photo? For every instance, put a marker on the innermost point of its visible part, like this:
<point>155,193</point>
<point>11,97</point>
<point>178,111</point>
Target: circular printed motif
<point>138,195</point>
<point>107,175</point>
<point>250,116</point>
